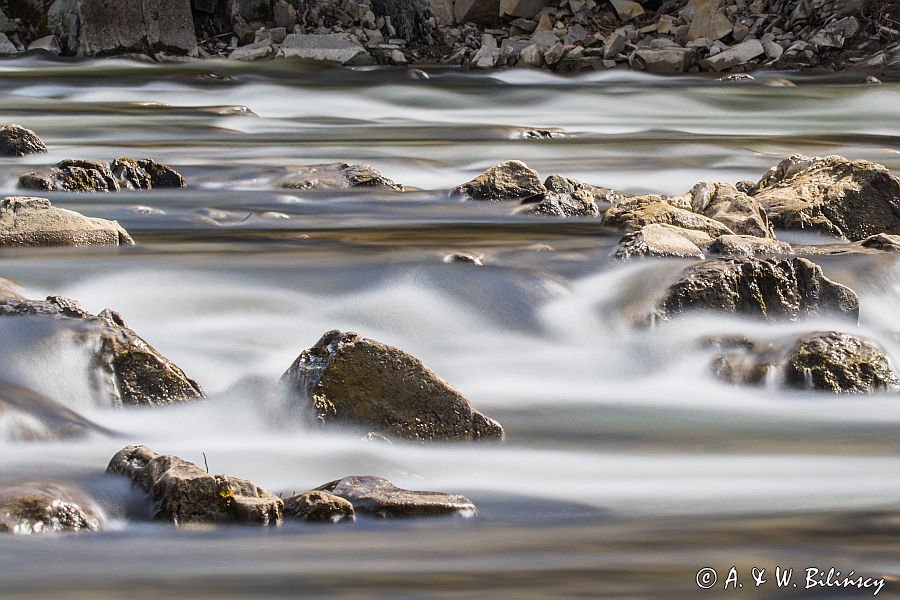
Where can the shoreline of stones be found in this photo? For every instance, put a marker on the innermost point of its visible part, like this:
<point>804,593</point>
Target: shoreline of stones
<point>381,392</point>
<point>656,36</point>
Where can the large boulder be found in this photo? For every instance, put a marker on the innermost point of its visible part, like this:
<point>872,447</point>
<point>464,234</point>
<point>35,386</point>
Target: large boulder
<point>41,507</point>
<point>184,493</point>
<point>28,415</point>
<point>510,180</point>
<point>127,370</point>
<point>823,361</point>
<point>337,176</point>
<point>348,380</point>
<point>15,140</point>
<point>318,506</point>
<point>634,213</point>
<point>731,207</point>
<point>329,48</point>
<point>381,498</point>
<point>774,290</point>
<point>26,221</point>
<point>852,199</point>
<point>100,176</point>
<point>108,27</point>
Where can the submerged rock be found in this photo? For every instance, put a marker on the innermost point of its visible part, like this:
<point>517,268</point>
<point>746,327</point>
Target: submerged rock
<point>349,380</point>
<point>845,198</point>
<point>639,211</point>
<point>381,498</point>
<point>127,369</point>
<point>337,176</point>
<point>184,493</point>
<point>465,257</point>
<point>100,176</point>
<point>318,506</point>
<point>41,507</point>
<point>510,180</point>
<point>28,415</point>
<point>823,361</point>
<point>775,290</point>
<point>28,221</point>
<point>15,140</point>
<point>662,241</point>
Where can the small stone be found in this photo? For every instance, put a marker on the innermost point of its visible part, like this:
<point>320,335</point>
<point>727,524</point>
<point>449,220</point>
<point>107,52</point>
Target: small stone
<point>510,180</point>
<point>27,221</point>
<point>659,241</point>
<point>337,176</point>
<point>736,55</point>
<point>15,140</point>
<point>381,498</point>
<point>48,44</point>
<point>40,507</point>
<point>318,506</point>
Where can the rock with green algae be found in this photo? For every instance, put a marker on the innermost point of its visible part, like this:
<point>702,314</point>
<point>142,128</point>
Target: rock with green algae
<point>184,493</point>
<point>351,381</point>
<point>100,176</point>
<point>127,369</point>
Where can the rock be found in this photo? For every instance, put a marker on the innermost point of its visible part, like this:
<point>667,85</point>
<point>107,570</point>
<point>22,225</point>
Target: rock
<point>249,10</point>
<point>128,370</point>
<point>442,11</point>
<point>482,12</point>
<point>330,48</point>
<point>522,8</point>
<point>852,199</point>
<point>772,49</point>
<point>28,415</point>
<point>7,48</point>
<point>738,54</point>
<point>510,180</point>
<point>26,221</point>
<point>660,241</point>
<point>731,207</point>
<point>381,498</point>
<point>488,54</point>
<point>284,14</point>
<point>10,290</point>
<point>600,196</point>
<point>183,493</point>
<point>99,176</point>
<point>840,363</point>
<point>337,176</point>
<point>256,51</point>
<point>352,381</point>
<point>531,56</point>
<point>774,290</point>
<point>822,361</point>
<point>882,241</point>
<point>750,246</point>
<point>105,27</point>
<point>15,140</point>
<point>48,44</point>
<point>576,204</point>
<point>465,257</point>
<point>639,211</point>
<point>614,44</point>
<point>41,507</point>
<point>662,60</point>
<point>626,9</point>
<point>709,21</point>
<point>318,506</point>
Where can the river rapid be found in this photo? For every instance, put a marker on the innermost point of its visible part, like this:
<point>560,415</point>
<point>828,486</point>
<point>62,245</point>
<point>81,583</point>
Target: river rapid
<point>627,467</point>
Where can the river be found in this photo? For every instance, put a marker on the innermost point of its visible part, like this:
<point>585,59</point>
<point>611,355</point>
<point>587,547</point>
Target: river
<point>627,467</point>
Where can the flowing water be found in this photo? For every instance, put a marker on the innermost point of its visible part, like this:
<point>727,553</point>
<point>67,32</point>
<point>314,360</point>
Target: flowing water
<point>627,467</point>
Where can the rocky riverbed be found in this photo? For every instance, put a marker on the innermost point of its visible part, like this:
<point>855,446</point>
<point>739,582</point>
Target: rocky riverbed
<point>672,36</point>
<point>267,326</point>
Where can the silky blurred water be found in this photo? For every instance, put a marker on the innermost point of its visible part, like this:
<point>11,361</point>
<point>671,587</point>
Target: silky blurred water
<point>627,467</point>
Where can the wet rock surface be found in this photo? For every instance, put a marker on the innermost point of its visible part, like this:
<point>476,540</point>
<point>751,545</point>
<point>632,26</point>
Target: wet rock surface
<point>731,207</point>
<point>510,180</point>
<point>15,140</point>
<point>381,498</point>
<point>29,221</point>
<point>43,507</point>
<point>100,176</point>
<point>359,383</point>
<point>851,199</point>
<point>662,241</point>
<point>30,416</point>
<point>184,493</point>
<point>774,290</point>
<point>337,176</point>
<point>750,246</point>
<point>823,361</point>
<point>882,241</point>
<point>635,213</point>
<point>128,370</point>
<point>318,507</point>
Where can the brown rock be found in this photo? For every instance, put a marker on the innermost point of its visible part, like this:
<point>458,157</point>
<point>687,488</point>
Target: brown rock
<point>184,493</point>
<point>337,176</point>
<point>318,506</point>
<point>662,241</point>
<point>28,221</point>
<point>99,176</point>
<point>41,507</point>
<point>381,498</point>
<point>731,207</point>
<point>639,211</point>
<point>356,382</point>
<point>510,180</point>
<point>15,140</point>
